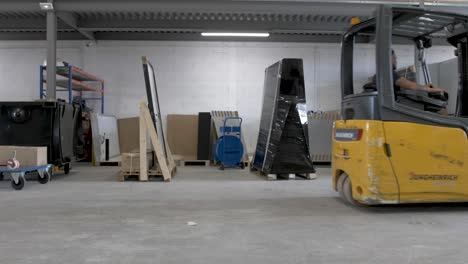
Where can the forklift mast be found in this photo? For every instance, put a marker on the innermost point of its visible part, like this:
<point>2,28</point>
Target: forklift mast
<point>421,46</point>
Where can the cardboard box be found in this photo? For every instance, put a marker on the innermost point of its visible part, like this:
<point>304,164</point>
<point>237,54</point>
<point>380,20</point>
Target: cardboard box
<point>131,162</point>
<point>27,156</point>
<point>129,133</point>
<point>182,135</point>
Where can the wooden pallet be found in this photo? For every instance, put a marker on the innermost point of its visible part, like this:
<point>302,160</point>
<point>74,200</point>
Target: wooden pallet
<point>184,163</point>
<point>136,178</point>
<point>153,175</point>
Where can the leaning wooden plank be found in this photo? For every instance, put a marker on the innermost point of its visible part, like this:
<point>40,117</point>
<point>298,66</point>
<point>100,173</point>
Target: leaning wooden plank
<point>170,160</point>
<point>149,126</point>
<point>143,176</point>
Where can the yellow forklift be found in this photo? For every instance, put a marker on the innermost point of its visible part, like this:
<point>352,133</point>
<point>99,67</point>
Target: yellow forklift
<point>392,146</point>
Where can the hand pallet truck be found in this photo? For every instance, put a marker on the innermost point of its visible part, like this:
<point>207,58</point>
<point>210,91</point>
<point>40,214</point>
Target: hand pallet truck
<point>17,176</point>
<point>229,149</point>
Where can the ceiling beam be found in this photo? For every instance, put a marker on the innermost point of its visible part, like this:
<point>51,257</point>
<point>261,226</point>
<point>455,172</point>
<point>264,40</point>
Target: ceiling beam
<point>215,6</point>
<point>355,7</point>
<point>286,20</point>
<point>209,25</point>
<point>336,7</point>
<point>198,37</point>
<point>71,20</point>
<point>39,36</point>
<point>126,36</point>
<point>157,36</point>
<point>239,6</point>
<point>28,23</point>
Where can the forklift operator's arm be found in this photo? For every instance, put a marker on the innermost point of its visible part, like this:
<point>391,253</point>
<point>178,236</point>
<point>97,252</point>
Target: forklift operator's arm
<point>404,83</point>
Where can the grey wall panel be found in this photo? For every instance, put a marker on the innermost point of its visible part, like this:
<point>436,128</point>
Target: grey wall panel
<point>320,134</point>
<point>445,75</point>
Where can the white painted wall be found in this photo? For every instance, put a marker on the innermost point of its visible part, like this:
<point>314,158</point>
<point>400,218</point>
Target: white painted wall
<point>192,76</point>
<point>19,67</point>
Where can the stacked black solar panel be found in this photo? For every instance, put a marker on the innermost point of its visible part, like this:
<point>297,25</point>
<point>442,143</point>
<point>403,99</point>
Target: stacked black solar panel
<point>282,146</point>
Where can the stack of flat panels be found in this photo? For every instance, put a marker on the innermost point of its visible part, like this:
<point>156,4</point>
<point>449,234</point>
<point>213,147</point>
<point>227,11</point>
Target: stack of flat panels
<point>105,138</point>
<point>182,135</point>
<point>204,136</point>
<point>282,146</point>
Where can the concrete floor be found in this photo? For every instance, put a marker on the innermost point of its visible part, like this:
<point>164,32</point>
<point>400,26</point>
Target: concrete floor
<point>87,217</point>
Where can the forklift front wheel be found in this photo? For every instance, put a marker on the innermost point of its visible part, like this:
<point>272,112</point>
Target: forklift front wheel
<point>339,184</point>
<point>348,192</point>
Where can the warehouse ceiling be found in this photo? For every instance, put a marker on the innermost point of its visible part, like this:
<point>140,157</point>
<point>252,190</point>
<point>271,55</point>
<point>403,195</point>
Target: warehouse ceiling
<point>287,20</point>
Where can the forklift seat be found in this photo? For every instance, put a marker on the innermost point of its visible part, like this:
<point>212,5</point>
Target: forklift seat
<point>369,87</point>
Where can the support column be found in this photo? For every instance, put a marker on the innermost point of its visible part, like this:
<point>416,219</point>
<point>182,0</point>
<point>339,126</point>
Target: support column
<point>51,53</point>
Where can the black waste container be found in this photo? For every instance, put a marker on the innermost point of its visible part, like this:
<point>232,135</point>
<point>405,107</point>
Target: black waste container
<point>54,124</point>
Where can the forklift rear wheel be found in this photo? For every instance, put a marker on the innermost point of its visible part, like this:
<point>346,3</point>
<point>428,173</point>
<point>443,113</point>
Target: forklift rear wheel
<point>1,176</point>
<point>18,186</point>
<point>222,166</point>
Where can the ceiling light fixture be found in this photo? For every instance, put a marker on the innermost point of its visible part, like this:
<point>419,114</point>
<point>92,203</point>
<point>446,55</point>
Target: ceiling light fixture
<point>426,19</point>
<point>46,6</point>
<point>235,34</point>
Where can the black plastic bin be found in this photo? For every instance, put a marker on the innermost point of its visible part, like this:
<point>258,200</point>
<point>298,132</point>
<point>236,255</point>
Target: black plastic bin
<point>54,124</point>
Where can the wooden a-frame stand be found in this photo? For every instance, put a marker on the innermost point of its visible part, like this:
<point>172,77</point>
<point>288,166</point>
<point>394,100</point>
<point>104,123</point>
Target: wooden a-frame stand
<point>166,165</point>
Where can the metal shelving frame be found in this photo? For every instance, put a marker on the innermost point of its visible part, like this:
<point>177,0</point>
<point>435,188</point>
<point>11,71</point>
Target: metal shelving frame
<point>75,80</point>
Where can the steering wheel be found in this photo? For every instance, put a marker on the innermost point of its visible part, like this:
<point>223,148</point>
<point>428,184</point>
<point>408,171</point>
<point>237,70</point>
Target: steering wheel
<point>443,96</point>
<point>369,87</point>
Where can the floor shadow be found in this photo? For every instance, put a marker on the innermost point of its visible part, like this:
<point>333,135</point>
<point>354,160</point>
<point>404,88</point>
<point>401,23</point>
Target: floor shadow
<point>409,208</point>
